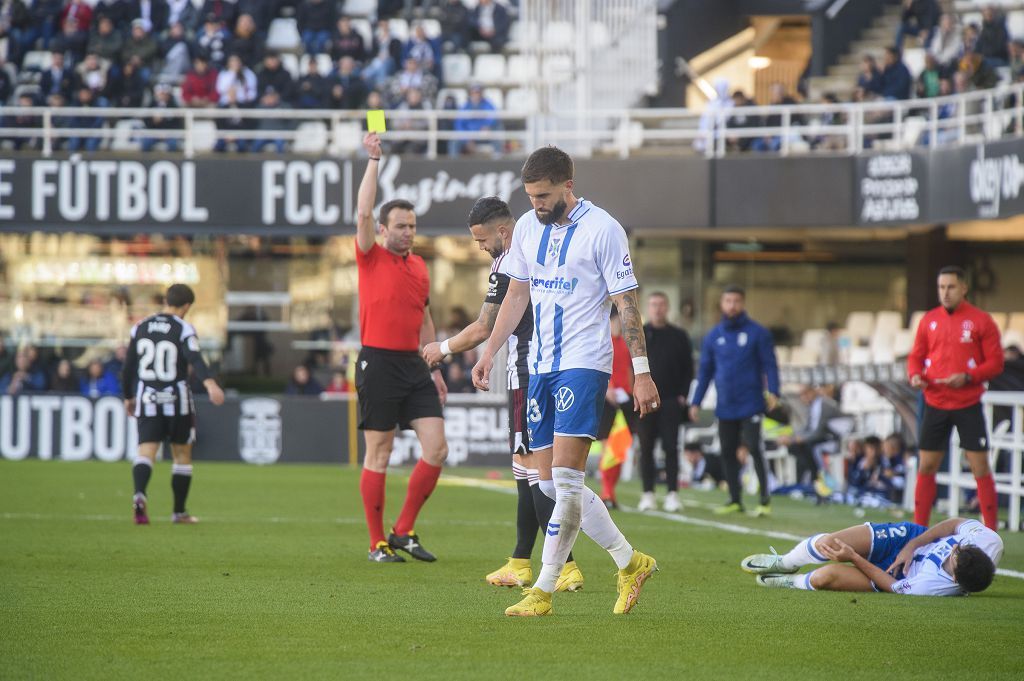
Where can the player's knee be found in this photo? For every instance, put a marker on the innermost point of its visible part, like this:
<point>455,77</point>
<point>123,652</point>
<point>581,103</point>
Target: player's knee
<point>823,577</point>
<point>437,454</point>
<point>823,540</point>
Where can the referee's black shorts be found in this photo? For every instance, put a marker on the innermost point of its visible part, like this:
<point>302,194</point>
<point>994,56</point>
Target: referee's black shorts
<point>937,425</point>
<point>394,389</point>
<point>178,430</point>
<point>518,423</point>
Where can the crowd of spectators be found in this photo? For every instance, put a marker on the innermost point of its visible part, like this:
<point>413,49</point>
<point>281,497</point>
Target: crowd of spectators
<point>138,53</point>
<point>26,370</point>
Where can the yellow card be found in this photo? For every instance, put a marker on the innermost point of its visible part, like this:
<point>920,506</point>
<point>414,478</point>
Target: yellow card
<point>375,121</point>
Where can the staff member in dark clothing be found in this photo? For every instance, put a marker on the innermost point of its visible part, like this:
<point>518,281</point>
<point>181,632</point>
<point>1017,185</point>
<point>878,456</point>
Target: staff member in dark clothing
<point>396,388</point>
<point>739,356</point>
<point>671,355</point>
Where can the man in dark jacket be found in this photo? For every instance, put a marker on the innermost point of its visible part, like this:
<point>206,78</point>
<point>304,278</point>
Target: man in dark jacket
<point>994,39</point>
<point>919,16</point>
<point>671,356</point>
<point>275,76</point>
<point>896,80</point>
<point>739,356</point>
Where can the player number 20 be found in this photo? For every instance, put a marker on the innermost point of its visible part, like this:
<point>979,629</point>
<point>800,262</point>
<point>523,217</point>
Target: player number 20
<point>158,361</point>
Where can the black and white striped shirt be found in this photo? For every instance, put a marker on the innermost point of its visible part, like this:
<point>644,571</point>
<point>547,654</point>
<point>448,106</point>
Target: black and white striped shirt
<point>519,341</point>
<point>161,349</point>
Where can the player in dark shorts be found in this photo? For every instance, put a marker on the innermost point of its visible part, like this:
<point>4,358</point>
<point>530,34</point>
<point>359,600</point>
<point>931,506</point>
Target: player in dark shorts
<point>396,388</point>
<point>155,383</point>
<point>492,225</point>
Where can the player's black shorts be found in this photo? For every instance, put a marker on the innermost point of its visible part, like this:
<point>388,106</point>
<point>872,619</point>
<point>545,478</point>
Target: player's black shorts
<point>178,430</point>
<point>394,389</point>
<point>518,421</point>
<point>608,418</point>
<point>937,425</point>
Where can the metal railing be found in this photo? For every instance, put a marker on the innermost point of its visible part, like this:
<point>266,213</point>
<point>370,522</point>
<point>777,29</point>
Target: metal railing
<point>803,128</point>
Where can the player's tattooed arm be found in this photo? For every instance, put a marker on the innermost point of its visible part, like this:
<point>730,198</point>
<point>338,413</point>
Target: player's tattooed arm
<point>470,337</point>
<point>632,325</point>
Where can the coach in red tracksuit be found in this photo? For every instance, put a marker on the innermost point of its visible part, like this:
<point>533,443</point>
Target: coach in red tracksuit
<point>955,351</point>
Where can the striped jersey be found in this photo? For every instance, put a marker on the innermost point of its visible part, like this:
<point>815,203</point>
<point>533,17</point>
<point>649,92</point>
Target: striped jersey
<point>925,576</point>
<point>572,270</point>
<point>160,351</point>
<point>519,341</point>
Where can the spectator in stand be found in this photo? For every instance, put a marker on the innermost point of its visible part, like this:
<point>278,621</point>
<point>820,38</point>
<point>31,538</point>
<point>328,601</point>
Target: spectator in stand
<point>411,78</point>
<point>24,122</point>
<point>390,8</point>
<point>236,89</point>
<point>163,101</point>
<point>116,10</point>
<point>59,79</point>
<point>86,99</point>
<point>455,22</point>
<point>490,23</point>
<point>947,43</point>
<point>458,381</point>
<point>152,13</point>
<point>865,475</point>
<point>7,83</point>
<point>896,81</point>
<point>23,377</point>
<point>98,383</point>
<point>1012,377</point>
<point>994,39</point>
<point>413,101</point>
<point>894,466</point>
<point>274,75</point>
<point>185,13</point>
<point>740,119</point>
<point>779,97</point>
<point>262,13</point>
<point>106,42</point>
<point>828,352</point>
<point>246,43</point>
<point>64,379</point>
<point>385,55</point>
<point>316,18</point>
<point>92,73</point>
<point>447,124</point>
<point>705,471</point>
<point>140,45</point>
<point>58,101</point>
<point>870,78</point>
<point>339,385</point>
<point>213,42</point>
<point>80,11</point>
<point>1016,56</point>
<point>347,42</point>
<point>919,16</point>
<point>271,100</point>
<point>224,11</point>
<point>176,52</point>
<point>348,90</point>
<point>200,87</point>
<point>313,89</point>
<point>929,81</point>
<point>977,70</point>
<point>115,365</point>
<point>130,88</point>
<point>72,40</point>
<point>302,383</point>
<point>805,444</point>
<point>470,124</point>
<point>14,19</point>
<point>42,18</point>
<point>424,51</point>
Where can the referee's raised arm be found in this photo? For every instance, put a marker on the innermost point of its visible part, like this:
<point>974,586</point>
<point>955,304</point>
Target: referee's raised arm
<point>366,228</point>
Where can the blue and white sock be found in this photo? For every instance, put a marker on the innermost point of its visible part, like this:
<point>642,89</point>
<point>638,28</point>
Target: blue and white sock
<point>597,524</point>
<point>804,581</point>
<point>804,553</point>
<point>561,532</point>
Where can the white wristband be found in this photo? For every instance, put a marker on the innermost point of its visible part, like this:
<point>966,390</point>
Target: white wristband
<point>641,365</point>
<point>446,349</point>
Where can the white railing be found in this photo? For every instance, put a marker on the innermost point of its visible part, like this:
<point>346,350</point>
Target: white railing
<point>804,128</point>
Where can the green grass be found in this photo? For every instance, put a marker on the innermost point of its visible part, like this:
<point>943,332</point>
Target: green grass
<point>274,583</point>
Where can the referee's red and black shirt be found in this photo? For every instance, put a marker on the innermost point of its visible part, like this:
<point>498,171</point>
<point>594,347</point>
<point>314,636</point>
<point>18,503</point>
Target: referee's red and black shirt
<point>393,294</point>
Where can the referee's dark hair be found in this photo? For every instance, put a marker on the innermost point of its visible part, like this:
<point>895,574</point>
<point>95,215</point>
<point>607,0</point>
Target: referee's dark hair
<point>734,288</point>
<point>548,163</point>
<point>487,210</point>
<point>974,569</point>
<point>955,270</point>
<point>385,210</point>
<point>179,295</point>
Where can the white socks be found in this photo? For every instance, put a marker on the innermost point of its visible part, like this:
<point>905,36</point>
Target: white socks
<point>804,553</point>
<point>560,534</point>
<point>804,581</point>
<point>597,523</point>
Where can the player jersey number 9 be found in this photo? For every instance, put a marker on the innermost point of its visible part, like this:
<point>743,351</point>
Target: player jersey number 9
<point>157,361</point>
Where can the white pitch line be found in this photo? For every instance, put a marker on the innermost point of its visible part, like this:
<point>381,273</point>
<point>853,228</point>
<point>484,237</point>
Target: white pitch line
<point>687,520</point>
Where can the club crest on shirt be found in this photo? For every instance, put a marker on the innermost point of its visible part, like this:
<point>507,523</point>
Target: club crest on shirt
<point>742,338</point>
<point>554,247</point>
<point>933,326</point>
<point>965,336</point>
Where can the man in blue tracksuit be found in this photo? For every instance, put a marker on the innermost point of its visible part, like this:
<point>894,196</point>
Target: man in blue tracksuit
<point>739,356</point>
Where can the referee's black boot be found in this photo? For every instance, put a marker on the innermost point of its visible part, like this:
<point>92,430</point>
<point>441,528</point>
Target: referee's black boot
<point>410,543</point>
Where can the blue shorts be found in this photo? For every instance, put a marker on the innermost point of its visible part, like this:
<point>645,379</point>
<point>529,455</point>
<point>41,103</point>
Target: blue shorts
<point>888,539</point>
<point>567,403</point>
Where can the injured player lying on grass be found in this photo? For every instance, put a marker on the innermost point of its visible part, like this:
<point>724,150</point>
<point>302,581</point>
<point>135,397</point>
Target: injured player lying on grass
<point>954,558</point>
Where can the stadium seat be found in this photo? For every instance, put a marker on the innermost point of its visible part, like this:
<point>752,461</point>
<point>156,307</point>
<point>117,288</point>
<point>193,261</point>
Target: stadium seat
<point>323,64</point>
<point>915,320</point>
<point>284,35</point>
<point>882,346</point>
<point>399,28</point>
<point>432,27</point>
<point>781,354</point>
<point>489,69</point>
<point>291,64</point>
<point>902,343</point>
<point>347,138</point>
<point>1012,337</point>
<point>1015,23</point>
<point>310,138</point>
<point>1016,322</point>
<point>456,68</point>
<point>800,356</point>
<point>861,356</point>
<point>204,135</point>
<point>522,100</point>
<point>913,126</point>
<point>363,28</point>
<point>559,35</point>
<point>37,60</point>
<point>1001,319</point>
<point>496,96</point>
<point>558,68</point>
<point>124,135</point>
<point>458,93</point>
<point>599,36</point>
<point>889,321</point>
<point>812,338</point>
<point>913,57</point>
<point>523,34</point>
<point>860,326</point>
<point>522,69</point>
<point>361,8</point>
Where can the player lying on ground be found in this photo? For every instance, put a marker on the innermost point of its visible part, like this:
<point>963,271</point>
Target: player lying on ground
<point>954,558</point>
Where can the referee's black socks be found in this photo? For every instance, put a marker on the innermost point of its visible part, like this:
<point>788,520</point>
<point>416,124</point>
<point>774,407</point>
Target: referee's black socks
<point>181,479</point>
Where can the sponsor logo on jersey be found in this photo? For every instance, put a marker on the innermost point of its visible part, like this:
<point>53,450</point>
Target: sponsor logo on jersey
<point>933,326</point>
<point>626,262</point>
<point>564,399</point>
<point>492,286</point>
<point>158,327</point>
<point>559,285</point>
<point>624,274</point>
<point>260,430</point>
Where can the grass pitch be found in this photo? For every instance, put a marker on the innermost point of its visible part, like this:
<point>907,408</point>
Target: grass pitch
<point>274,583</point>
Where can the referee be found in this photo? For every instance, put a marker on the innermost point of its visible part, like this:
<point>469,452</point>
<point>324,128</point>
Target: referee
<point>955,351</point>
<point>395,386</point>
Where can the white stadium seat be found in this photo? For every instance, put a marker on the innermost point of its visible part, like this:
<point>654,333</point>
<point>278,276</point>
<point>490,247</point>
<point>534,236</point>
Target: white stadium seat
<point>489,69</point>
<point>290,63</point>
<point>599,36</point>
<point>522,69</point>
<point>1001,319</point>
<point>860,326</point>
<point>913,57</point>
<point>399,28</point>
<point>456,68</point>
<point>889,321</point>
<point>496,96</point>
<point>915,320</point>
<point>39,60</point>
<point>323,64</point>
<point>363,28</point>
<point>559,35</point>
<point>902,343</point>
<point>204,135</point>
<point>522,100</point>
<point>458,93</point>
<point>558,68</point>
<point>1016,322</point>
<point>311,138</point>
<point>283,35</point>
<point>523,34</point>
<point>124,135</point>
<point>347,139</point>
<point>361,8</point>
<point>432,27</point>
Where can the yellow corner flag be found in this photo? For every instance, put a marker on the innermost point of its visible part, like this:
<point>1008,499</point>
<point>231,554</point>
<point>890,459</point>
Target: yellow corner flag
<point>375,121</point>
<point>619,442</point>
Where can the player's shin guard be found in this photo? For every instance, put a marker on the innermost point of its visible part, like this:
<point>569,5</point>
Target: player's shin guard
<point>543,504</point>
<point>564,526</point>
<point>597,524</point>
<point>526,515</point>
<point>988,501</point>
<point>804,553</point>
<point>924,497</point>
<point>421,483</point>
<point>142,470</point>
<point>371,488</point>
<point>181,480</point>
